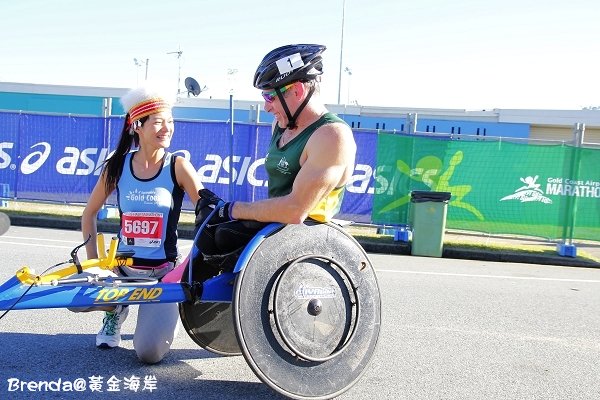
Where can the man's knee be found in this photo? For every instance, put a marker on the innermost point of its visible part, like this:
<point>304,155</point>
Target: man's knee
<point>228,240</point>
<point>206,242</point>
<point>229,237</point>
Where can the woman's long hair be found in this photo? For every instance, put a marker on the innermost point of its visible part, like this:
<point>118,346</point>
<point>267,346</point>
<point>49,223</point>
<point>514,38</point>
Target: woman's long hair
<point>113,166</point>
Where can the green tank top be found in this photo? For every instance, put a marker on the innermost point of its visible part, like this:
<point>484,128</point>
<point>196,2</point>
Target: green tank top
<point>283,164</point>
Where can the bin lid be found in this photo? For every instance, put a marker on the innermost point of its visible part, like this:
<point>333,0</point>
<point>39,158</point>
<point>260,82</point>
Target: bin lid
<point>420,196</point>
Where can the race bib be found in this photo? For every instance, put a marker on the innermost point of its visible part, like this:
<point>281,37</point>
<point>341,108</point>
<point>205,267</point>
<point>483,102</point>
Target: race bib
<point>142,229</point>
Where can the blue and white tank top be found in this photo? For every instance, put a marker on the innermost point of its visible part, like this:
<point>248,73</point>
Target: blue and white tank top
<point>149,210</point>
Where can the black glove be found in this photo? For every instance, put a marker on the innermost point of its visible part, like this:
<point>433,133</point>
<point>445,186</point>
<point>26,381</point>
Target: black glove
<point>205,205</point>
<point>222,215</point>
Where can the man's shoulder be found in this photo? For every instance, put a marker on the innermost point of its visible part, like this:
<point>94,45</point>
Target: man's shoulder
<point>335,126</point>
<point>332,135</point>
<point>329,118</point>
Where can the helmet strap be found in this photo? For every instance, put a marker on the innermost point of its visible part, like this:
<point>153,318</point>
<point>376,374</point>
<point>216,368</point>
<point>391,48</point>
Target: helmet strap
<point>292,118</point>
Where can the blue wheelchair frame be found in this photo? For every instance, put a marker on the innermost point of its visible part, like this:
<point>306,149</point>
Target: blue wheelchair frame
<point>15,295</point>
<point>305,344</point>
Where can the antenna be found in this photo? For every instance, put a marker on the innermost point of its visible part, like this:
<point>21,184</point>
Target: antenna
<point>139,63</point>
<point>349,72</point>
<point>230,73</point>
<point>179,52</point>
<point>193,86</point>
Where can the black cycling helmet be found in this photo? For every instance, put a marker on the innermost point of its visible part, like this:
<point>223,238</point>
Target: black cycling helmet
<point>290,63</point>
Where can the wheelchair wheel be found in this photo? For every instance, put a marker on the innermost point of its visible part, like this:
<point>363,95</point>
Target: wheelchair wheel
<point>210,325</point>
<point>307,311</point>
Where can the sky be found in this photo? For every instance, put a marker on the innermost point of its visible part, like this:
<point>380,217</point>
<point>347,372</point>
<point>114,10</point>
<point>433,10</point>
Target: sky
<point>467,54</point>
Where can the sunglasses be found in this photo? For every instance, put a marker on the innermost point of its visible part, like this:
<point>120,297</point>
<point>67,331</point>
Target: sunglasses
<point>271,95</point>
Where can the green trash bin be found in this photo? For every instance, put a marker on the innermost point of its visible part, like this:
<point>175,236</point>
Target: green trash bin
<point>428,221</point>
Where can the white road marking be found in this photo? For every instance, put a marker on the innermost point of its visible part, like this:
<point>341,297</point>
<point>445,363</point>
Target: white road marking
<point>53,246</point>
<point>188,246</point>
<point>75,243</point>
<point>533,278</point>
<point>28,238</point>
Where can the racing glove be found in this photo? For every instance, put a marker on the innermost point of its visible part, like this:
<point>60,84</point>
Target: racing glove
<point>223,214</point>
<point>205,205</point>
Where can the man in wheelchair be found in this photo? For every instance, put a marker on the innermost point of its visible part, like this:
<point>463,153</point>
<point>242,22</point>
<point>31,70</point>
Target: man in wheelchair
<point>309,161</point>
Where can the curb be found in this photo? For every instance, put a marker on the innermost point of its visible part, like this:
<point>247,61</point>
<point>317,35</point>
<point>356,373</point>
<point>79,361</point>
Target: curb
<point>395,248</point>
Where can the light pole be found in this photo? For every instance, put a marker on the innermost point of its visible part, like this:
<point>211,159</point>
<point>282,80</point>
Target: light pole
<point>230,73</point>
<point>349,72</point>
<point>139,63</point>
<point>341,52</point>
<point>179,52</point>
<point>231,78</point>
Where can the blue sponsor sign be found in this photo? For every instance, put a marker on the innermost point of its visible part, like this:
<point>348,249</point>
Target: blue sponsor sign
<point>59,158</point>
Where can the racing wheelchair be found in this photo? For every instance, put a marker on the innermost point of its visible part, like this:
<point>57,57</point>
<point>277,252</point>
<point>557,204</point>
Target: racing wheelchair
<point>301,304</point>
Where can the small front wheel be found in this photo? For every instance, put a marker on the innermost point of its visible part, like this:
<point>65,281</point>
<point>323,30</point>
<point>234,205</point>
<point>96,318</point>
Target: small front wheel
<point>210,325</point>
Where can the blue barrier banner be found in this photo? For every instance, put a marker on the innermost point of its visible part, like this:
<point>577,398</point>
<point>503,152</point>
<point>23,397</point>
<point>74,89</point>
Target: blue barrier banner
<point>358,200</point>
<point>59,158</point>
<point>53,158</point>
<point>230,165</point>
<point>9,140</point>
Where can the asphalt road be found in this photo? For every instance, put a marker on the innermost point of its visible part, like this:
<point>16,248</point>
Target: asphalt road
<point>452,329</point>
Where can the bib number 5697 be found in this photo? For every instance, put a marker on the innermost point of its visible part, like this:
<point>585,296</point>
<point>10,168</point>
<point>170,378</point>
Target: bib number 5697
<point>144,227</point>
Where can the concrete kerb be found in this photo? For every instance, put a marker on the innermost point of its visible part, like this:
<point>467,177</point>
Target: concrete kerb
<point>395,248</point>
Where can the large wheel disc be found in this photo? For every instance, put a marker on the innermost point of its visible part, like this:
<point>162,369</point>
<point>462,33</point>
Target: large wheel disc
<point>307,311</point>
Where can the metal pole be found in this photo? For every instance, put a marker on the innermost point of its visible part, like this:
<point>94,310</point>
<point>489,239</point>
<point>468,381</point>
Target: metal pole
<point>106,107</point>
<point>573,173</point>
<point>231,183</point>
<point>411,123</point>
<point>179,73</point>
<point>146,77</point>
<point>349,71</point>
<point>341,51</point>
<point>179,52</point>
<point>230,73</point>
<point>348,100</point>
<point>137,72</point>
<point>580,134</point>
